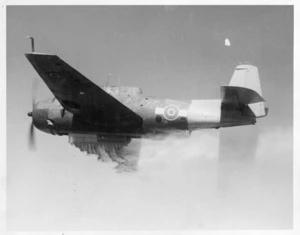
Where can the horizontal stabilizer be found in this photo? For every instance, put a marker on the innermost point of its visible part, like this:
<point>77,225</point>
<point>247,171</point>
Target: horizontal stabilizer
<point>236,96</point>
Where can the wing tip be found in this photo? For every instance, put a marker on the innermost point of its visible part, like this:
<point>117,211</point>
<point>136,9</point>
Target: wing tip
<point>33,54</point>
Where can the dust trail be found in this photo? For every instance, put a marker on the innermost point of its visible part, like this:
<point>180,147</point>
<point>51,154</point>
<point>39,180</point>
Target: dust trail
<point>255,178</point>
<point>180,183</point>
<point>124,152</point>
<point>241,179</point>
<point>176,187</point>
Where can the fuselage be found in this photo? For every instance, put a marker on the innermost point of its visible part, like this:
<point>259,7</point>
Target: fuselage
<point>159,116</point>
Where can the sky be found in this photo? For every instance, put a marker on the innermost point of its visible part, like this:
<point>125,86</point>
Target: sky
<point>238,178</point>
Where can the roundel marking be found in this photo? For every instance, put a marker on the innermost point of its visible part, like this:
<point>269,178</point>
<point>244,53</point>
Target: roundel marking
<point>171,112</point>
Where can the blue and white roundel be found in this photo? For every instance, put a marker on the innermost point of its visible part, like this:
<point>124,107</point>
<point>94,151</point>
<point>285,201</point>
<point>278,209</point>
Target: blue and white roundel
<point>171,112</point>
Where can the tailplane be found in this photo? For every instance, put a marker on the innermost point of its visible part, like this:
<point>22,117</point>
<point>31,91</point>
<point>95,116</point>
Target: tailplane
<point>244,90</point>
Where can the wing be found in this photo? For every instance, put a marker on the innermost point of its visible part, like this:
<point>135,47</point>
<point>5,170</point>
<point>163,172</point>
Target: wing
<point>80,96</point>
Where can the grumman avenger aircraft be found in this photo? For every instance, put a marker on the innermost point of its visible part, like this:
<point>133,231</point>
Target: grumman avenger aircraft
<point>104,119</point>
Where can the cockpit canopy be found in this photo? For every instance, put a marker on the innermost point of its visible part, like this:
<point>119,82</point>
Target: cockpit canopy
<point>123,90</point>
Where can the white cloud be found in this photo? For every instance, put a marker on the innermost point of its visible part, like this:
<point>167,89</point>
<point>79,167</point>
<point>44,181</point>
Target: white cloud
<point>179,185</point>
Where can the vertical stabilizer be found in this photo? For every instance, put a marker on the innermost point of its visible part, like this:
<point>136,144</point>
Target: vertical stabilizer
<point>247,76</point>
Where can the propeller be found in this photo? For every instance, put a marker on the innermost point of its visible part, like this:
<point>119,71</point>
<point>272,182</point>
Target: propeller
<point>31,135</point>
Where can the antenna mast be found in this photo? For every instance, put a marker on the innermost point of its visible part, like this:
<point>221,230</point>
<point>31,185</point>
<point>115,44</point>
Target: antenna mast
<point>32,43</point>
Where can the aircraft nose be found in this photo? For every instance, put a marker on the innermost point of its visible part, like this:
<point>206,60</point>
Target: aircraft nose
<point>39,117</point>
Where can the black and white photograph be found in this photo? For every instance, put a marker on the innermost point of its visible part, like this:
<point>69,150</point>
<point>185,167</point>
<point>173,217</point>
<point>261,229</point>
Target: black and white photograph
<point>149,118</point>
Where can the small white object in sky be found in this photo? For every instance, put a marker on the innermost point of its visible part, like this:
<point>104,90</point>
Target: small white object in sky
<point>227,42</point>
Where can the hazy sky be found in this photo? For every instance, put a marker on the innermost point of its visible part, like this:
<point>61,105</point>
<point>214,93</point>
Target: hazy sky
<point>174,52</point>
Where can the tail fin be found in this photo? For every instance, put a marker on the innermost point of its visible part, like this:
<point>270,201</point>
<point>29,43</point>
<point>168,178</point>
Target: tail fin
<point>244,89</point>
<point>246,76</point>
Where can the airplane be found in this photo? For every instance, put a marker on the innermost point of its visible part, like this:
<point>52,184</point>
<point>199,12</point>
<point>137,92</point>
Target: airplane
<point>104,119</point>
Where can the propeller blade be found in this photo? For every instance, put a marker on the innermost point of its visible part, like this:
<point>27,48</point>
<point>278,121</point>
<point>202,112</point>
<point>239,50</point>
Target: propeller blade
<point>32,137</point>
<point>34,90</point>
